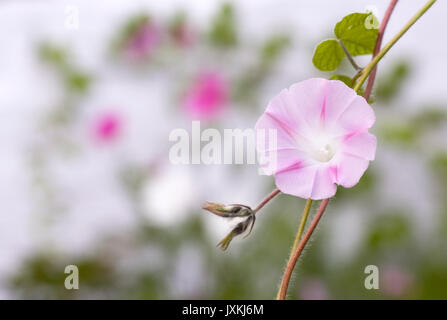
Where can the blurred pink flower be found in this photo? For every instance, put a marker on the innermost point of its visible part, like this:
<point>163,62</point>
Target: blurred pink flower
<point>144,41</point>
<point>207,96</point>
<point>322,137</point>
<point>107,127</point>
<point>313,289</point>
<point>396,281</point>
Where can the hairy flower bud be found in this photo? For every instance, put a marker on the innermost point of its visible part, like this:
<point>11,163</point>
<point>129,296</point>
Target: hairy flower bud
<point>228,211</point>
<point>232,211</point>
<point>240,228</point>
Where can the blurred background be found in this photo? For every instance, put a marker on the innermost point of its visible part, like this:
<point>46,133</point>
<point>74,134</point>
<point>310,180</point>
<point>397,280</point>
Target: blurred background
<point>89,92</point>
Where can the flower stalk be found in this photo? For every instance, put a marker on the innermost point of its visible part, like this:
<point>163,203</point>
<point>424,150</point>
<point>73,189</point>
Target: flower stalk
<point>370,67</point>
<point>296,254</point>
<point>300,231</point>
<point>302,223</point>
<point>380,34</point>
<point>326,192</point>
<point>267,199</point>
<point>363,75</point>
<point>350,58</point>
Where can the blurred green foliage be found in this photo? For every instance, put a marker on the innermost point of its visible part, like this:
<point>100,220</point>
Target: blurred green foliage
<point>132,25</point>
<point>363,188</point>
<point>387,231</point>
<point>252,268</point>
<point>223,30</point>
<point>392,81</point>
<point>399,133</point>
<point>408,132</point>
<point>243,272</point>
<point>274,47</point>
<point>53,55</point>
<point>43,277</point>
<point>439,164</point>
<point>245,88</point>
<point>75,81</point>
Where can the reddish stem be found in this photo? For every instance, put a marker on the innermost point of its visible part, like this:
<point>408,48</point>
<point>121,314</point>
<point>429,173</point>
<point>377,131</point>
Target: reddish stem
<point>293,259</point>
<point>266,200</point>
<point>382,28</point>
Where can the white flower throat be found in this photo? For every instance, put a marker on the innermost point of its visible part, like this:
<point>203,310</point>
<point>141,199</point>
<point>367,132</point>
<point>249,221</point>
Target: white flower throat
<point>321,149</point>
<point>323,154</point>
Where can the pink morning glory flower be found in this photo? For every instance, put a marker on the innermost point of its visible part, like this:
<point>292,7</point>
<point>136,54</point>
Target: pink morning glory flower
<point>322,138</point>
<point>207,96</point>
<point>107,127</point>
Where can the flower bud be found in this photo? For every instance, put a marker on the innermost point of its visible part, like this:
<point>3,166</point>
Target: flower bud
<point>240,228</point>
<point>232,211</point>
<point>228,211</point>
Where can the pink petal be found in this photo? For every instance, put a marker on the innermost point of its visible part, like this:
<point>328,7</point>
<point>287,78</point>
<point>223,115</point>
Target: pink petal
<point>350,169</point>
<point>288,157</point>
<point>338,98</point>
<point>283,108</point>
<point>324,184</point>
<point>358,116</point>
<point>298,181</point>
<point>284,139</point>
<point>308,97</point>
<point>313,182</point>
<point>274,161</point>
<point>361,144</point>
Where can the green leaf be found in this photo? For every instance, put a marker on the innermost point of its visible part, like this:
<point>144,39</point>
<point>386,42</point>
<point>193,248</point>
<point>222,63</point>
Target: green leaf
<point>347,80</point>
<point>328,55</point>
<point>357,32</point>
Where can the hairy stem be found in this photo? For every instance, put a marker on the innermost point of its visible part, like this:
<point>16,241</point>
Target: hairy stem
<point>368,69</point>
<point>296,254</point>
<point>302,224</point>
<point>266,200</point>
<point>382,28</point>
<point>300,230</point>
<point>371,67</point>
